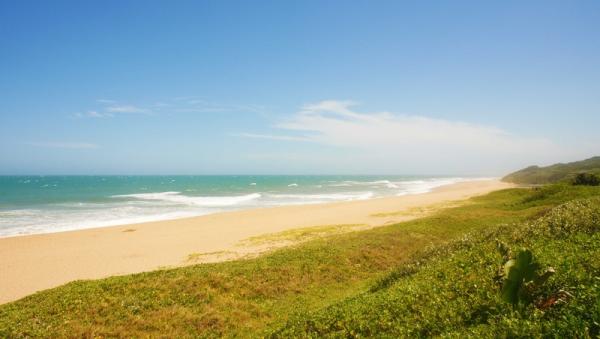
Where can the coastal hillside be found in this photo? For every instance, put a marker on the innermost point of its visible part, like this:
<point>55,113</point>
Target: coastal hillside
<point>554,173</point>
<point>481,269</point>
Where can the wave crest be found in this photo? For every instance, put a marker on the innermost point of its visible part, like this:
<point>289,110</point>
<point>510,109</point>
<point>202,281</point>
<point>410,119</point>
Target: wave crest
<point>178,198</point>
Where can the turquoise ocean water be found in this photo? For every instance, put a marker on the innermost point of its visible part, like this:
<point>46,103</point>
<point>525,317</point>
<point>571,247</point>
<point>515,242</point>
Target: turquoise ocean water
<point>42,204</point>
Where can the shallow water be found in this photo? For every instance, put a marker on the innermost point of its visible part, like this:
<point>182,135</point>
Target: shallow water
<point>41,204</point>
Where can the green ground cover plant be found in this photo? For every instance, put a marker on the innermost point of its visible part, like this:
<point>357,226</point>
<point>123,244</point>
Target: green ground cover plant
<point>454,294</point>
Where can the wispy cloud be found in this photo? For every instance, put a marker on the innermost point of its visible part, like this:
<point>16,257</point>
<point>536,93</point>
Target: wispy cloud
<point>108,108</point>
<point>396,140</point>
<point>106,101</point>
<point>65,145</point>
<point>341,108</point>
<point>271,137</point>
<point>94,114</point>
<point>196,105</point>
<point>126,109</point>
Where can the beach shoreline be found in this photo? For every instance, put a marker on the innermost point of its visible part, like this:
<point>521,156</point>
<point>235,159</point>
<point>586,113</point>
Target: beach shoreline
<point>31,263</point>
<point>50,204</point>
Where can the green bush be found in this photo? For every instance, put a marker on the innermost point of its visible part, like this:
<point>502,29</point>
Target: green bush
<point>580,215</point>
<point>588,179</point>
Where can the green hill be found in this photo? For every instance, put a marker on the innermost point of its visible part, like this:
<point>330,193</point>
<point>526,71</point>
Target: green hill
<point>554,173</point>
<point>434,276</point>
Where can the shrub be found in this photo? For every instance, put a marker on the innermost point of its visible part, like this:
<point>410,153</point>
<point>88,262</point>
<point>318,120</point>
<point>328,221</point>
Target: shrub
<point>588,179</point>
<point>581,215</point>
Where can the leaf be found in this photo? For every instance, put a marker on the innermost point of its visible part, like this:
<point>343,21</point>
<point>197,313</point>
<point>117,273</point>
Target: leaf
<point>526,266</point>
<point>521,275</point>
<point>507,266</point>
<point>512,284</point>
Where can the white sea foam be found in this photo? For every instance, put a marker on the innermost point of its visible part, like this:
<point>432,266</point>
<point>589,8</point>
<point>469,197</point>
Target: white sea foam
<point>342,184</point>
<point>378,182</point>
<point>349,183</point>
<point>18,213</point>
<point>59,221</point>
<point>424,186</point>
<point>293,185</point>
<point>176,197</point>
<point>414,182</point>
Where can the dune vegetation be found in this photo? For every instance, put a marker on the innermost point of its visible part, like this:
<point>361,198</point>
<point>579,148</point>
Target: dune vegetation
<point>469,270</point>
<point>556,173</point>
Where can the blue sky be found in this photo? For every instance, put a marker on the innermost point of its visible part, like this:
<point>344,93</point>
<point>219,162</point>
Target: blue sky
<point>307,87</point>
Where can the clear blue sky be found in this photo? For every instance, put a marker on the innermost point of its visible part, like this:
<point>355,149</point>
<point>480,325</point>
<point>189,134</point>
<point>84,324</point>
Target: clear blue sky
<point>211,87</point>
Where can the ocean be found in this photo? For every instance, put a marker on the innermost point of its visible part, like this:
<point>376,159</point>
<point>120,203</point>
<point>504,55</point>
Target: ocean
<point>43,204</point>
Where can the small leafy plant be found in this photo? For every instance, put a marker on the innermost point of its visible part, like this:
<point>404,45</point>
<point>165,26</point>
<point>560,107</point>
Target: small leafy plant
<point>521,276</point>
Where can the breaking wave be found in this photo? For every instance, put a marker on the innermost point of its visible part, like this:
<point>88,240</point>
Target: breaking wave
<point>178,198</point>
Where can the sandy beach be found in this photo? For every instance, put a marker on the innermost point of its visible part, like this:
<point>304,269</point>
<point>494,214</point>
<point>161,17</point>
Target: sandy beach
<point>37,262</point>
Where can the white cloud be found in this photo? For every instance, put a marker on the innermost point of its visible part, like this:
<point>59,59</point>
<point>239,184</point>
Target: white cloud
<point>125,109</point>
<point>387,142</point>
<point>94,114</point>
<point>194,105</point>
<point>66,145</point>
<point>271,137</point>
<point>108,108</point>
<point>341,108</point>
